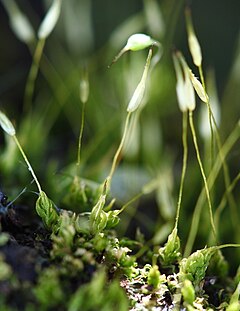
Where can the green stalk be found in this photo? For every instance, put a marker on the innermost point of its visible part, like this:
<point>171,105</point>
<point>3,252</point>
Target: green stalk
<point>132,200</point>
<point>28,163</point>
<point>224,199</point>
<point>117,154</point>
<point>203,174</point>
<point>184,166</point>
<point>202,77</point>
<point>231,200</point>
<point>227,245</point>
<point>210,114</point>
<point>33,75</point>
<point>80,139</point>
<point>231,140</point>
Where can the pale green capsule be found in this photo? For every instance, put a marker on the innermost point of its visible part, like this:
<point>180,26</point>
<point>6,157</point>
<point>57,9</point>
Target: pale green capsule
<point>195,49</point>
<point>204,124</point>
<point>50,20</point>
<point>19,22</point>
<point>140,89</point>
<point>184,87</point>
<point>180,90</point>
<point>136,42</point>
<point>139,41</point>
<point>198,88</point>
<point>193,42</point>
<point>84,89</point>
<point>7,125</point>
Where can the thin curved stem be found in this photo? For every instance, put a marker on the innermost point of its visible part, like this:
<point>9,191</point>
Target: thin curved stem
<point>28,163</point>
<point>80,138</point>
<point>212,121</point>
<point>33,75</point>
<point>231,140</point>
<point>210,114</point>
<point>224,199</point>
<point>203,173</point>
<point>228,245</point>
<point>117,154</point>
<point>184,166</point>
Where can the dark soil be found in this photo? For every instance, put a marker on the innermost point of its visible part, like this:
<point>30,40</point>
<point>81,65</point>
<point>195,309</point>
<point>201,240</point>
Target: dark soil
<point>26,252</point>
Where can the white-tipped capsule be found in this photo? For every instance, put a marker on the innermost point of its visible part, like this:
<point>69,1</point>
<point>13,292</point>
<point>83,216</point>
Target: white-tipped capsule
<point>193,42</point>
<point>136,42</point>
<point>180,90</point>
<point>7,125</point>
<point>139,41</point>
<point>184,87</point>
<point>140,89</point>
<point>84,88</point>
<point>190,95</point>
<point>195,49</point>
<point>50,20</point>
<point>198,87</point>
<point>204,125</point>
<point>19,22</point>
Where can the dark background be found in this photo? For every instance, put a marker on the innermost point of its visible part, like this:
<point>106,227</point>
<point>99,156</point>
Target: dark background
<point>217,23</point>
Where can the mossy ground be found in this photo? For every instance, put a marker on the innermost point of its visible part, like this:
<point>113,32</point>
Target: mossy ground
<point>40,271</point>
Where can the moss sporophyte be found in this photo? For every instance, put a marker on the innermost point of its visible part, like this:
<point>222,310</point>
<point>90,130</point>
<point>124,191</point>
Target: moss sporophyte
<point>137,42</point>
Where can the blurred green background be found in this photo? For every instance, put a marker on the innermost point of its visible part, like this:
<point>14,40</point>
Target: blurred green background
<point>87,37</point>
